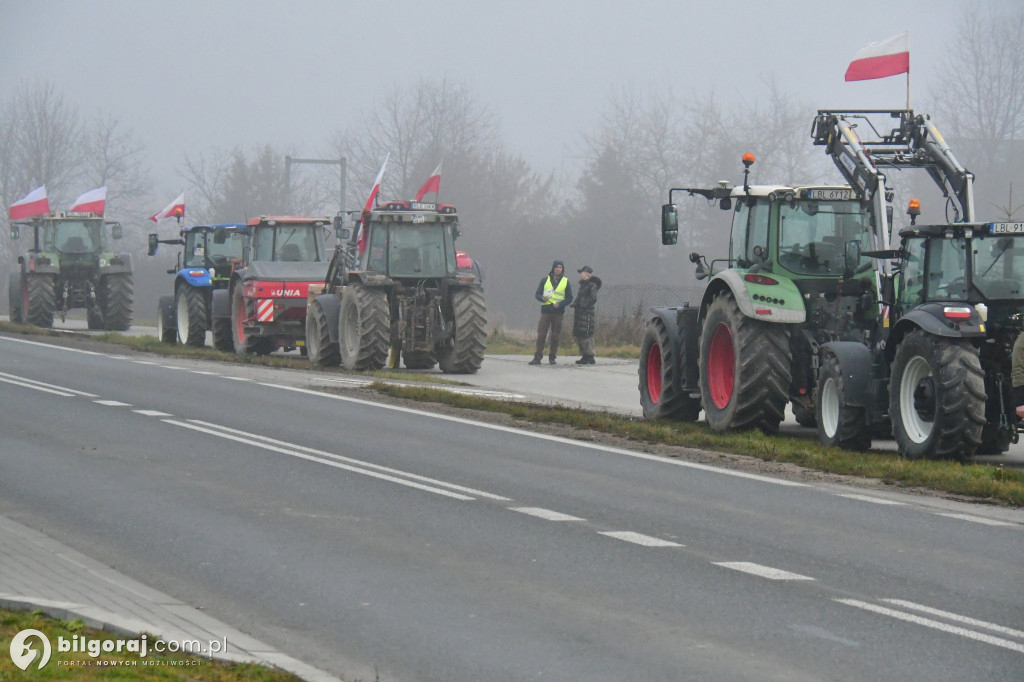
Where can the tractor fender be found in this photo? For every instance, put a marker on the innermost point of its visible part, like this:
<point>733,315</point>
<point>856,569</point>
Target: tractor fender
<point>331,305</point>
<point>929,318</point>
<point>203,280</point>
<point>683,327</point>
<point>122,267</point>
<point>220,304</point>
<point>733,281</point>
<point>32,266</point>
<point>855,362</point>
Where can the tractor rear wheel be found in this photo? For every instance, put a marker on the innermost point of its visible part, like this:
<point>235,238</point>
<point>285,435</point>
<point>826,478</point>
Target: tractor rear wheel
<point>936,397</point>
<point>165,312</point>
<point>40,300</point>
<point>321,351</point>
<point>364,328</point>
<point>116,294</point>
<point>839,424</point>
<point>660,373</point>
<point>242,342</point>
<point>222,339</point>
<point>190,314</point>
<point>744,369</point>
<point>15,298</point>
<point>465,354</point>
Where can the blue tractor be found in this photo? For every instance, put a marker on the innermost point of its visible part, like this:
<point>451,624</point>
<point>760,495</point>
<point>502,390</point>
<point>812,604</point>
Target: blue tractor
<point>206,262</point>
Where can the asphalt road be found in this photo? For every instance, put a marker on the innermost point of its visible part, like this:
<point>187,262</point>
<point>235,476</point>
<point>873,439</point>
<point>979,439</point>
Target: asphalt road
<point>357,536</point>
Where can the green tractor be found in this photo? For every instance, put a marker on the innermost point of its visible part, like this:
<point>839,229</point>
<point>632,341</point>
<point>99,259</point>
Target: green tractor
<point>70,265</point>
<point>794,280</point>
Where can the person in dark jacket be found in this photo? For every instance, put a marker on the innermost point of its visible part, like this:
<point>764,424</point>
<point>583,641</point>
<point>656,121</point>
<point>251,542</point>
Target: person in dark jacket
<point>554,294</point>
<point>584,308</point>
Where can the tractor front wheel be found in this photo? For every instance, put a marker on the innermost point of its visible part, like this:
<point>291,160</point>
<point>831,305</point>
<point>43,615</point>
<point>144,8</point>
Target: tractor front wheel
<point>660,374</point>
<point>839,424</point>
<point>15,298</point>
<point>364,328</point>
<point>744,369</point>
<point>937,397</point>
<point>320,349</point>
<point>190,312</point>
<point>165,330</point>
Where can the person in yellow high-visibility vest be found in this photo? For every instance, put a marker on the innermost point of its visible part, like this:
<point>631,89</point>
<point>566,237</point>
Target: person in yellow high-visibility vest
<point>554,294</point>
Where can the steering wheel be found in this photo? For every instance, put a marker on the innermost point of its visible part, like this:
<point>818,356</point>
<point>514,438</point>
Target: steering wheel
<point>956,287</point>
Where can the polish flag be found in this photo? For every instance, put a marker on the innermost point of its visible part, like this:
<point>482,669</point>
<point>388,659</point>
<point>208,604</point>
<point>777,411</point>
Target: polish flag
<point>433,183</point>
<point>881,60</point>
<point>175,209</point>
<point>93,201</point>
<point>34,203</point>
<point>361,240</point>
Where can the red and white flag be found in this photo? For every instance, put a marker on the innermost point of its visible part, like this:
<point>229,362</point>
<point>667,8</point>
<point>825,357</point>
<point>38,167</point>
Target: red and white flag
<point>361,239</point>
<point>34,203</point>
<point>175,209</point>
<point>433,183</point>
<point>93,201</point>
<point>881,60</point>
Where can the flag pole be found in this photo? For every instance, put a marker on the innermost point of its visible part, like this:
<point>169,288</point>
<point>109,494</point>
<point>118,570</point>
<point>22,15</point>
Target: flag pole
<point>908,73</point>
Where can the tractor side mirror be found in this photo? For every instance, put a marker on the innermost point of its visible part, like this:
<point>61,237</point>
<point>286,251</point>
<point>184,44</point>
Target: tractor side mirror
<point>15,232</point>
<point>220,235</point>
<point>115,231</point>
<point>725,204</point>
<point>154,244</point>
<point>669,224</point>
<point>344,234</point>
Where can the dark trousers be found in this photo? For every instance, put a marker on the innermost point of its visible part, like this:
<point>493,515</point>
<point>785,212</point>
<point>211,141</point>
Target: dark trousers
<point>549,327</point>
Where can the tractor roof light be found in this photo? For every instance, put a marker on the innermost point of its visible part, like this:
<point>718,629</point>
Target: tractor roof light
<point>748,159</point>
<point>914,207</point>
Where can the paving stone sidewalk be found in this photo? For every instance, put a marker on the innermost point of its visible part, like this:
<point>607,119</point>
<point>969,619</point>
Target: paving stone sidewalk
<point>39,573</point>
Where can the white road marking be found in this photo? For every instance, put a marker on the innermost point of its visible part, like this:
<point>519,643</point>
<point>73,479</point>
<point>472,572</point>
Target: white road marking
<point>293,452</point>
<point>929,623</point>
<point>55,387</point>
<point>236,378</point>
<point>868,498</point>
<point>541,436</point>
<point>762,571</point>
<point>152,413</point>
<point>545,514</point>
<point>50,345</point>
<point>350,460</point>
<point>975,519</point>
<point>957,617</point>
<point>209,374</point>
<point>112,403</point>
<point>144,362</point>
<point>171,367</point>
<point>638,539</point>
<point>37,388</point>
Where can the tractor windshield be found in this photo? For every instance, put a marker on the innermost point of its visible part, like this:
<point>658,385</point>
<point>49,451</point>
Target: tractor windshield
<point>290,243</point>
<point>420,251</point>
<point>998,269</point>
<point>813,235</point>
<point>72,236</point>
<point>200,245</point>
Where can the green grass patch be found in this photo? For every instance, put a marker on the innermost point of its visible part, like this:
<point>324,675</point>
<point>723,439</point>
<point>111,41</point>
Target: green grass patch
<point>982,482</point>
<point>113,666</point>
<point>505,343</point>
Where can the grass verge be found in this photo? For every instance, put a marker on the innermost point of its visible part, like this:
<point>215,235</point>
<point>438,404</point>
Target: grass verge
<point>980,482</point>
<point>113,666</point>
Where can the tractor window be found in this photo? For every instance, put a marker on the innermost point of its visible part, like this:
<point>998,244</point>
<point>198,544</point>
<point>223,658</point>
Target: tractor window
<point>378,247</point>
<point>290,243</point>
<point>75,236</point>
<point>813,235</point>
<point>420,251</point>
<point>264,238</point>
<point>998,270</point>
<point>749,229</point>
<point>946,266</point>
<point>912,275</point>
<point>195,249</point>
<point>231,248</point>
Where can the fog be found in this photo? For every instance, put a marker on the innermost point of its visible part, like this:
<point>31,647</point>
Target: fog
<point>190,76</point>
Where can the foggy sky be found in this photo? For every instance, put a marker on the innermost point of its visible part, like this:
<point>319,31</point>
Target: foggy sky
<point>187,76</point>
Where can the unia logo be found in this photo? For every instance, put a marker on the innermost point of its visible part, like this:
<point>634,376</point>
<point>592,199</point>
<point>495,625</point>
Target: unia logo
<point>22,654</point>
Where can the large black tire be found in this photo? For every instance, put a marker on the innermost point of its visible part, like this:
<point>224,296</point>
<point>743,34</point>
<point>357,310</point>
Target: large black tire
<point>94,317</point>
<point>320,350</point>
<point>660,365</point>
<point>15,298</point>
<point>418,359</point>
<point>744,369</point>
<point>116,295</point>
<point>40,300</point>
<point>242,342</point>
<point>839,424</point>
<point>222,339</point>
<point>190,316</point>
<point>165,311</point>
<point>465,354</point>
<point>364,328</point>
<point>936,397</point>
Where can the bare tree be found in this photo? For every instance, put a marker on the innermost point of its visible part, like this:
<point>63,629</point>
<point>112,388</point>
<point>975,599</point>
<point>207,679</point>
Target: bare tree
<point>114,157</point>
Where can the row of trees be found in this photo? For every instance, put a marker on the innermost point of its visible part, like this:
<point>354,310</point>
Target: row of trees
<point>516,221</point>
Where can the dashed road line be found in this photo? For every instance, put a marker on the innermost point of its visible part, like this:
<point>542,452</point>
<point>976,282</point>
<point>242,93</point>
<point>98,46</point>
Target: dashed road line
<point>957,617</point>
<point>112,403</point>
<point>934,624</point>
<point>761,571</point>
<point>42,386</point>
<point>975,519</point>
<point>545,514</point>
<point>639,539</point>
<point>153,413</point>
<point>868,498</point>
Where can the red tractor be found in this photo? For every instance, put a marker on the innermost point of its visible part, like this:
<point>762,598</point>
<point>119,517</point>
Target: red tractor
<point>266,299</point>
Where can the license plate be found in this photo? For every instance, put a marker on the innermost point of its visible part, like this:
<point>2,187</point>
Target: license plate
<point>1007,228</point>
<point>837,194</point>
